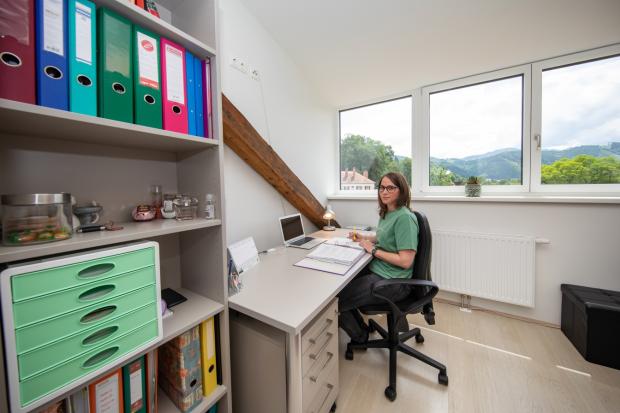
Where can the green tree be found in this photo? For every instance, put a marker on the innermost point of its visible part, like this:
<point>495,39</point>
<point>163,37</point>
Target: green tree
<point>440,176</point>
<point>582,169</point>
<point>366,154</point>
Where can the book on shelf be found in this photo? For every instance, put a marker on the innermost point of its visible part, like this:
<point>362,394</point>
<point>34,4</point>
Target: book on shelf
<point>78,402</point>
<point>151,381</point>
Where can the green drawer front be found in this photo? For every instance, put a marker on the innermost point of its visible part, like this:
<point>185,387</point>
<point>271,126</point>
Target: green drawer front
<point>53,305</point>
<point>36,335</point>
<point>43,282</point>
<point>44,383</point>
<point>56,353</point>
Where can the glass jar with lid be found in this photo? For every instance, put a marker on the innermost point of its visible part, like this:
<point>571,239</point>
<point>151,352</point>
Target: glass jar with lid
<point>36,218</point>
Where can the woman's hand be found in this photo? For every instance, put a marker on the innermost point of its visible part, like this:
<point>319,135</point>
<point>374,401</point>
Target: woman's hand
<point>367,245</point>
<point>355,236</point>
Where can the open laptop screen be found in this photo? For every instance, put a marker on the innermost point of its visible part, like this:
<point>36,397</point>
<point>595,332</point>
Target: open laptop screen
<point>291,227</point>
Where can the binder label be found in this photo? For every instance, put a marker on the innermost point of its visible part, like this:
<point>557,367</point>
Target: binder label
<point>135,384</point>
<point>147,61</point>
<point>83,34</point>
<point>175,84</point>
<point>210,339</point>
<point>53,24</point>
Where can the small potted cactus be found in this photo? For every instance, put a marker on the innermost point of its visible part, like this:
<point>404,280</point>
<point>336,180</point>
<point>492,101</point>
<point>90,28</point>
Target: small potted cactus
<point>472,187</point>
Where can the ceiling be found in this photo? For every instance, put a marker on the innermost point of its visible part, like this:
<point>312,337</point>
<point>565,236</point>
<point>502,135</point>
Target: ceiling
<point>355,51</point>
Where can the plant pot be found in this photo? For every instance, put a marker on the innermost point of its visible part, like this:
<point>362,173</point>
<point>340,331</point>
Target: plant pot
<point>472,190</point>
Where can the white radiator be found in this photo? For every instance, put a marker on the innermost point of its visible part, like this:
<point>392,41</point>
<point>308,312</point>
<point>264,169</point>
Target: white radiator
<point>496,267</point>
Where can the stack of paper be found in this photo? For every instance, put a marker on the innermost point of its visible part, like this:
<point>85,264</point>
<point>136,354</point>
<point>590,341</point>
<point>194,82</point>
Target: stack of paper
<point>344,242</point>
<point>332,258</point>
<point>336,254</point>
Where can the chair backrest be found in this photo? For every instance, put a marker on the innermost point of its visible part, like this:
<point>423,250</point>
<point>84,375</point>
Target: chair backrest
<point>422,262</point>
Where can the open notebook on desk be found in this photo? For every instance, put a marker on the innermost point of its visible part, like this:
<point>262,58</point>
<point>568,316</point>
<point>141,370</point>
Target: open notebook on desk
<point>332,258</point>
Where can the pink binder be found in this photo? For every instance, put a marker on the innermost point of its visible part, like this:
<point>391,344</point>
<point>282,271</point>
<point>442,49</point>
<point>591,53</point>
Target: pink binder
<point>208,109</point>
<point>17,42</point>
<point>174,93</point>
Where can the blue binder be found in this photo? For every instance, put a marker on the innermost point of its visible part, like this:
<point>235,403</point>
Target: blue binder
<point>191,93</point>
<point>51,54</point>
<point>200,113</point>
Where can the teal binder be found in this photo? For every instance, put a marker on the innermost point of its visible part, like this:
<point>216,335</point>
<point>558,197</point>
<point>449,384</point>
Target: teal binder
<point>82,57</point>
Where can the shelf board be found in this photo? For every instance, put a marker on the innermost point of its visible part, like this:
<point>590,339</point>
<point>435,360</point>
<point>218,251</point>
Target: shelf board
<point>131,231</point>
<point>165,405</point>
<point>146,20</point>
<point>189,313</point>
<point>26,119</point>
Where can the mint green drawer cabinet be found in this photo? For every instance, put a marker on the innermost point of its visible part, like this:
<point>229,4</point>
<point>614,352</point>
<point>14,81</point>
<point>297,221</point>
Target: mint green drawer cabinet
<point>44,383</point>
<point>36,283</point>
<point>68,319</point>
<point>43,358</point>
<point>60,302</point>
<point>36,335</point>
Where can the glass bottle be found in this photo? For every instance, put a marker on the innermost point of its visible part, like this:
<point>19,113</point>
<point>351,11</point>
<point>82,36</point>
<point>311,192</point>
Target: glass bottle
<point>209,207</point>
<point>156,199</point>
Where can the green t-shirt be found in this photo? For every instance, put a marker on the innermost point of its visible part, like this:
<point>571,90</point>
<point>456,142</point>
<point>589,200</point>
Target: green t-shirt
<point>396,232</point>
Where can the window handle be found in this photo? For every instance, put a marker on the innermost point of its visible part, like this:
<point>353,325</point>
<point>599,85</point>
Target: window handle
<point>538,140</point>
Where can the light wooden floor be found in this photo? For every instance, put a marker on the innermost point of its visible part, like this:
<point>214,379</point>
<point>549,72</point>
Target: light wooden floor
<point>495,364</point>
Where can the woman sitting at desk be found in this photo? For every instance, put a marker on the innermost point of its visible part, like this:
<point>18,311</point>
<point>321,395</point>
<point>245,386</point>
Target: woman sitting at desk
<point>393,249</point>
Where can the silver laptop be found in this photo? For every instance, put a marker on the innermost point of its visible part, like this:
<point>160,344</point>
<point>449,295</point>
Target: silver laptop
<point>293,233</point>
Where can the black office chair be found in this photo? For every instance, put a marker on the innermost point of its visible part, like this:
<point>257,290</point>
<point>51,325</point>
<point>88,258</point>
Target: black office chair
<point>418,301</point>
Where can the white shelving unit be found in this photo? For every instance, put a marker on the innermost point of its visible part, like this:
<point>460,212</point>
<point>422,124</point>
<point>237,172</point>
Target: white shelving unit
<point>45,150</point>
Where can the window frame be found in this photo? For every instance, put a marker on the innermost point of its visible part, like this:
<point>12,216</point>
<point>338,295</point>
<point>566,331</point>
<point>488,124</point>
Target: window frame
<point>536,154</point>
<point>385,99</point>
<point>424,133</point>
<point>531,126</point>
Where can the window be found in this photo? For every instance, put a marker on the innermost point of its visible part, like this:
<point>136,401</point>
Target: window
<point>375,139</point>
<point>475,128</point>
<point>578,139</point>
<point>551,126</point>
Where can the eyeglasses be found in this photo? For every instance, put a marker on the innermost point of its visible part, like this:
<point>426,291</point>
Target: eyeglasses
<point>389,188</point>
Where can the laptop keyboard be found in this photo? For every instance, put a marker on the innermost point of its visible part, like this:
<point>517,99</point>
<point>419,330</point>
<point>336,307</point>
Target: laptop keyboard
<point>302,241</point>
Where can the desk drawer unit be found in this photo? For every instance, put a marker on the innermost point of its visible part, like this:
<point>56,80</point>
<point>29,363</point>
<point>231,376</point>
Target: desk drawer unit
<point>68,319</point>
<point>320,361</point>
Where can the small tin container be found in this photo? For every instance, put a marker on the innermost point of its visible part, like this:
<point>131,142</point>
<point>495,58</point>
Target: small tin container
<point>36,218</point>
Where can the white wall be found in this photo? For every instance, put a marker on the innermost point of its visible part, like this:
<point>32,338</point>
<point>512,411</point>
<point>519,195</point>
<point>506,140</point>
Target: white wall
<point>584,249</point>
<point>287,113</point>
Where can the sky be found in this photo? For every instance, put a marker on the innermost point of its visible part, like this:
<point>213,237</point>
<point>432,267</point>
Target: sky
<point>580,106</point>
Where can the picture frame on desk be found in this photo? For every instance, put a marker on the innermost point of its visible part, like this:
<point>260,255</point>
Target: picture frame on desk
<point>106,394</point>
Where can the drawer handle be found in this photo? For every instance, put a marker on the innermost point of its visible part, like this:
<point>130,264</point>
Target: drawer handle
<point>97,292</point>
<point>100,357</point>
<point>329,390</point>
<point>96,270</point>
<point>99,335</point>
<point>328,322</point>
<point>98,314</point>
<point>313,356</point>
<point>330,355</point>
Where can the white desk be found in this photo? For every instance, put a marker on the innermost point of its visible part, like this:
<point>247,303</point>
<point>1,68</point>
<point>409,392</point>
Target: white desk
<point>288,298</point>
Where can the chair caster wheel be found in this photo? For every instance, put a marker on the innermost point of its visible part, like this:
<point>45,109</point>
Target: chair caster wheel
<point>333,409</point>
<point>443,378</point>
<point>348,354</point>
<point>390,393</point>
<point>419,338</point>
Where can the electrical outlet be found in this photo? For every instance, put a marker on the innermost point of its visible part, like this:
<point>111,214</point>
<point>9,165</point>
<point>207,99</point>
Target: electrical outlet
<point>240,65</point>
<point>255,74</point>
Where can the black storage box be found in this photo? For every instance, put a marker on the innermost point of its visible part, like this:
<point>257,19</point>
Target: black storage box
<point>591,321</point>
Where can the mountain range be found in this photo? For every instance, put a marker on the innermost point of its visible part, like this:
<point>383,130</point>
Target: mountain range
<point>506,163</point>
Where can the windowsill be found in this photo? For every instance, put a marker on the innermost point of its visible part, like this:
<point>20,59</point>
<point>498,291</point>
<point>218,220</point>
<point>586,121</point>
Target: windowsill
<point>530,198</point>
